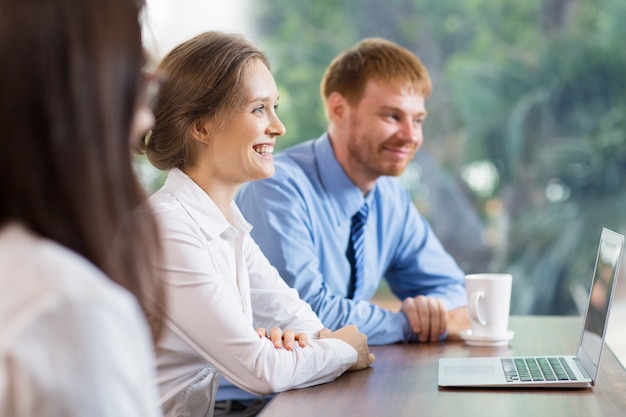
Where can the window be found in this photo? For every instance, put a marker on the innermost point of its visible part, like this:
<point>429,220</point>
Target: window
<point>524,157</point>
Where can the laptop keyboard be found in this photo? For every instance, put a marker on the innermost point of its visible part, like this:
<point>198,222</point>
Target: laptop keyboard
<point>537,369</point>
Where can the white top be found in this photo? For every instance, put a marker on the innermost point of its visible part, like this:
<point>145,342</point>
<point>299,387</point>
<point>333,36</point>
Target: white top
<point>72,342</point>
<point>220,289</point>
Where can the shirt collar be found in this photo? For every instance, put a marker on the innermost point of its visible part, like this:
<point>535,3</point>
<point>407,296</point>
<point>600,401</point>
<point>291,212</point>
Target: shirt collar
<point>343,194</point>
<point>202,209</point>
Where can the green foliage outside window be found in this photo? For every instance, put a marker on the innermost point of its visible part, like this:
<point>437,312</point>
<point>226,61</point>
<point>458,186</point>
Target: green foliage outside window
<point>525,137</point>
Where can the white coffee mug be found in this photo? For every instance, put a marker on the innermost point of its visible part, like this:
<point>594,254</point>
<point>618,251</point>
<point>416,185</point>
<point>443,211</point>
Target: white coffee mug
<point>488,303</point>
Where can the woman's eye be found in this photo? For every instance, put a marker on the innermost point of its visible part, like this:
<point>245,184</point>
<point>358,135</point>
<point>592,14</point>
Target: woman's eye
<point>259,110</point>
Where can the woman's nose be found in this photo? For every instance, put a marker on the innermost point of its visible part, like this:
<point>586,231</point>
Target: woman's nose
<point>276,127</point>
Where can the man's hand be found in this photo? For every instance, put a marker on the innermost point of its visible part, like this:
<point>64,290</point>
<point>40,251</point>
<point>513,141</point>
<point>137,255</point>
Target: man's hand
<point>427,316</point>
<point>458,320</point>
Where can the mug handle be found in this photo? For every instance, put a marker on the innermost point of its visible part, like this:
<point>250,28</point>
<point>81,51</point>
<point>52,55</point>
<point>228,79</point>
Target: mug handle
<point>473,307</point>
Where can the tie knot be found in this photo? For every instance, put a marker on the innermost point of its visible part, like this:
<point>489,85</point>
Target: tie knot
<point>361,215</point>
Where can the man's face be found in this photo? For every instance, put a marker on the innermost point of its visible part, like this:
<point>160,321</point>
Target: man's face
<point>384,130</point>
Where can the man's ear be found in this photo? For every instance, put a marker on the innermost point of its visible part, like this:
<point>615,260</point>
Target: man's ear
<point>337,106</point>
<point>200,130</point>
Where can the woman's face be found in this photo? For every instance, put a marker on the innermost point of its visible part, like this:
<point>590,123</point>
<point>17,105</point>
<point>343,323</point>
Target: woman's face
<point>241,150</point>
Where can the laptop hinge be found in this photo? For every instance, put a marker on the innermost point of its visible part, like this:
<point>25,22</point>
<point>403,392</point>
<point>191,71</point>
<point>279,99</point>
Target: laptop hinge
<point>580,366</point>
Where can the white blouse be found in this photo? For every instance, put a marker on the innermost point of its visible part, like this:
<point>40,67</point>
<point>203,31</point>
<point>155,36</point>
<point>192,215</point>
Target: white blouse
<point>220,288</point>
<point>72,342</point>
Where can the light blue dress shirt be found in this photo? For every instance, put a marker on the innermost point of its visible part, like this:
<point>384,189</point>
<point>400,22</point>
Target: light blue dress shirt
<point>301,220</point>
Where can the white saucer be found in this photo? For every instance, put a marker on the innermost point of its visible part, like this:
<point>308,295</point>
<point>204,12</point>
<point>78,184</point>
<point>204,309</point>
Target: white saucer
<point>484,340</point>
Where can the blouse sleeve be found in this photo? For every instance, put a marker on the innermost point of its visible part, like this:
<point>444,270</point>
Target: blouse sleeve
<point>274,303</point>
<point>206,310</point>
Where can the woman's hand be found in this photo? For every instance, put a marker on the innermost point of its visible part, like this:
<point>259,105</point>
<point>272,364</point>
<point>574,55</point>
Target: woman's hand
<point>284,339</point>
<point>351,335</point>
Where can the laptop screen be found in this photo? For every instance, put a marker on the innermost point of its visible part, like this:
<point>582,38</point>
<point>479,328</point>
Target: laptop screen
<point>600,297</point>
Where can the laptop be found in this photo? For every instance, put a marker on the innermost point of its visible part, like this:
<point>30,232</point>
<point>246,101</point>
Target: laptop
<point>561,371</point>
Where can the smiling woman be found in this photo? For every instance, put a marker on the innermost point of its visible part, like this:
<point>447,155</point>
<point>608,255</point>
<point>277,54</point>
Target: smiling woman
<point>216,126</point>
<point>237,147</point>
<point>214,133</point>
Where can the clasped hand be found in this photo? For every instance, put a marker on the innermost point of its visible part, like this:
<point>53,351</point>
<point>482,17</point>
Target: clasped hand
<point>352,336</point>
<point>282,338</point>
<point>349,334</point>
<point>429,318</point>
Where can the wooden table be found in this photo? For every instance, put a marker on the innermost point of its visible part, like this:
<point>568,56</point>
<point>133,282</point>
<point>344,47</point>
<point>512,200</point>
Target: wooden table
<point>403,382</point>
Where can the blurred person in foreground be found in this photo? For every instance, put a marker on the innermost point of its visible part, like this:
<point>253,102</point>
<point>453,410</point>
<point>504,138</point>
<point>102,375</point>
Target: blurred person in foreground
<point>336,196</point>
<point>76,241</point>
<point>229,313</point>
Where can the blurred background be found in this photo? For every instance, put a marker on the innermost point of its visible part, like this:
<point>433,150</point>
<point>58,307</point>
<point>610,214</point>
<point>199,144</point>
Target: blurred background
<point>524,159</point>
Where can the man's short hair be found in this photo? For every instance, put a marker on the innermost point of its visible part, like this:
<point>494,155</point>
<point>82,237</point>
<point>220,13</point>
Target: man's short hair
<point>374,59</point>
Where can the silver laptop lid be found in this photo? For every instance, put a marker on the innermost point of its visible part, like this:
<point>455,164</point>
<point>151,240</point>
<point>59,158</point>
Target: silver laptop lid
<point>605,275</point>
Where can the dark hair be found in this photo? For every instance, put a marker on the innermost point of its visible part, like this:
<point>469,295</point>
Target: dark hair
<point>71,84</point>
<point>203,76</point>
<point>377,59</point>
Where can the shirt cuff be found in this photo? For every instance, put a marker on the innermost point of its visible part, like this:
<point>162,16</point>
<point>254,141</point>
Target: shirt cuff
<point>347,353</point>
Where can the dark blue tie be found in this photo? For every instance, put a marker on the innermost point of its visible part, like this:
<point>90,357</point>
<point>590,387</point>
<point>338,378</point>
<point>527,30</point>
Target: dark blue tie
<point>355,251</point>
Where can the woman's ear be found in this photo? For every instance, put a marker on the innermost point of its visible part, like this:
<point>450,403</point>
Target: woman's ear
<point>200,130</point>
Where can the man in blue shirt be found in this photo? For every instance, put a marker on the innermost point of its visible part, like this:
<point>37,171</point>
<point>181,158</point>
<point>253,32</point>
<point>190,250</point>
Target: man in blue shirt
<point>374,96</point>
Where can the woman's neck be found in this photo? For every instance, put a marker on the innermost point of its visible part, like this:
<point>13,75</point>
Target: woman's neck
<point>221,193</point>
